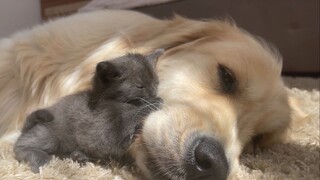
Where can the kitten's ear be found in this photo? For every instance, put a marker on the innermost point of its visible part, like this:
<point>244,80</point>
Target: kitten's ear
<point>107,71</point>
<point>154,56</point>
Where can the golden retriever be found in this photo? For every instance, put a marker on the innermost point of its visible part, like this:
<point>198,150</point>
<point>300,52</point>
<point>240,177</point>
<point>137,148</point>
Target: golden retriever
<point>220,85</point>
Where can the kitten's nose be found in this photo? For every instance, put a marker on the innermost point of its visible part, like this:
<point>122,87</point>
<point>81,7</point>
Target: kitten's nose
<point>152,92</point>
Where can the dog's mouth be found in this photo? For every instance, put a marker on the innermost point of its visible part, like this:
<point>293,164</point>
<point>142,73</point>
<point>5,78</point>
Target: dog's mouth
<point>202,159</point>
<point>137,132</point>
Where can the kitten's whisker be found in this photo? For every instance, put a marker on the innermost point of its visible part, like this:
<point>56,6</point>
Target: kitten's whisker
<point>130,99</point>
<point>143,107</point>
<point>153,104</point>
<point>162,104</point>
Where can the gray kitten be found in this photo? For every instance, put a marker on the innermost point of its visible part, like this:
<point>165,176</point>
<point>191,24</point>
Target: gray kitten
<point>97,123</point>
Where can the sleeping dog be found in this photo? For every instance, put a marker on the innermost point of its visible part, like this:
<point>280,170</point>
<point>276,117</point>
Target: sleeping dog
<point>220,86</point>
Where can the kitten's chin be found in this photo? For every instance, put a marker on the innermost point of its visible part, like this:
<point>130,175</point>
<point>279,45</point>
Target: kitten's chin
<point>136,102</point>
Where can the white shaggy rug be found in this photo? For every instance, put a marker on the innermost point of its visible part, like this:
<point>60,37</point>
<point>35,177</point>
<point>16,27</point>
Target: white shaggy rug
<point>299,158</point>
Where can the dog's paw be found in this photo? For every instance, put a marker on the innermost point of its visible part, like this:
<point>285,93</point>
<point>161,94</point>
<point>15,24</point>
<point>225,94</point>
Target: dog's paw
<point>264,141</point>
<point>253,146</point>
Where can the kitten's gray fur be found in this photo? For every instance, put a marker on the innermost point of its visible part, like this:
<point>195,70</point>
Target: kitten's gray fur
<point>97,123</point>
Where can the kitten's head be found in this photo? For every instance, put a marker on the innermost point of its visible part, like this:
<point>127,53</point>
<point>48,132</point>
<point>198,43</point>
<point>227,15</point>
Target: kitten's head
<point>128,78</point>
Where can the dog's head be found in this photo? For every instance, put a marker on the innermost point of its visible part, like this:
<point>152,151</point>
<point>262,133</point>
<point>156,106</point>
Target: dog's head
<point>219,91</point>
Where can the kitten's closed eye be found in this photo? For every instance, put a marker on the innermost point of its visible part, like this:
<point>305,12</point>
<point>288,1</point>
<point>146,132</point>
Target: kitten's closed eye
<point>139,86</point>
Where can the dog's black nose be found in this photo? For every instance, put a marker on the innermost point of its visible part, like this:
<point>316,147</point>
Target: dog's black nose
<point>206,160</point>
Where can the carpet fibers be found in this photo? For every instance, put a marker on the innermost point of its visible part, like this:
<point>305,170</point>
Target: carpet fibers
<point>297,158</point>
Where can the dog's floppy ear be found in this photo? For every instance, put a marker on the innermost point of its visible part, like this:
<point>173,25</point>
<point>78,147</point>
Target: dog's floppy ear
<point>154,56</point>
<point>106,71</point>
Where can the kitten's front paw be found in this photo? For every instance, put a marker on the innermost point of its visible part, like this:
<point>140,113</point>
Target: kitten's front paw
<point>157,102</point>
<point>79,157</point>
<point>38,160</point>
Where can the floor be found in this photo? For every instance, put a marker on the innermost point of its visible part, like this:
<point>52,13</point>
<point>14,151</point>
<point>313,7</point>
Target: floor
<point>306,83</point>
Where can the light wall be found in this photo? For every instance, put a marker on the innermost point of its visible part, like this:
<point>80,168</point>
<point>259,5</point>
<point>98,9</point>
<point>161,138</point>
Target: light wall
<point>17,15</point>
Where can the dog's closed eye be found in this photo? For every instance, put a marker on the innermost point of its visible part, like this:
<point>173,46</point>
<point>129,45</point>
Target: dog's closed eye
<point>228,81</point>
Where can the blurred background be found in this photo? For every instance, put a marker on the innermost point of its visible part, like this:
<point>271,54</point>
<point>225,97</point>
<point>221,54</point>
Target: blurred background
<point>17,15</point>
<point>291,25</point>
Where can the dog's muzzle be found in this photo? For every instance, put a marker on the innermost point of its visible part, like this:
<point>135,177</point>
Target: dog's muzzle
<point>206,160</point>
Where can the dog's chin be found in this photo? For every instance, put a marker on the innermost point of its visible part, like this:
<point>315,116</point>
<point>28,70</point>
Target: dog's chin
<point>156,167</point>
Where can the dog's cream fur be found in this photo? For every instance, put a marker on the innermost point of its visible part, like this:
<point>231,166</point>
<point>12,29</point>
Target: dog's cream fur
<point>39,66</point>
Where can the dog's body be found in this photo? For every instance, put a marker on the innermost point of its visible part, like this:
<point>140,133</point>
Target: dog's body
<point>221,87</point>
